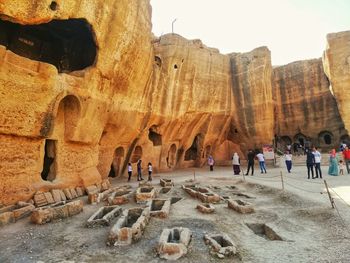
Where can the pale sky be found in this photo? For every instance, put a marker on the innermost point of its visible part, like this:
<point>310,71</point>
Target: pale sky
<point>292,29</point>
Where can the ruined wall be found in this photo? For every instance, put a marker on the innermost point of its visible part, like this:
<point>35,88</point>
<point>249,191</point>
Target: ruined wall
<point>305,106</point>
<point>336,61</point>
<point>252,92</point>
<point>40,102</point>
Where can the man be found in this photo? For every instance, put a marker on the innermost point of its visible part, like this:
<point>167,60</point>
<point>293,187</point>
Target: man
<point>317,156</point>
<point>261,159</point>
<point>310,162</point>
<point>251,156</point>
<point>346,155</point>
<point>139,171</point>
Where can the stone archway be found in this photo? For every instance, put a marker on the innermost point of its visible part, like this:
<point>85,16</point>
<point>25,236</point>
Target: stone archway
<point>136,155</point>
<point>194,152</point>
<point>171,158</point>
<point>300,138</point>
<point>325,138</point>
<point>68,114</point>
<point>117,162</point>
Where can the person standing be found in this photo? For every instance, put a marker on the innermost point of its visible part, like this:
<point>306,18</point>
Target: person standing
<point>129,171</point>
<point>211,162</point>
<point>236,163</point>
<point>261,159</point>
<point>333,163</point>
<point>250,157</point>
<point>346,155</point>
<point>318,157</point>
<point>150,169</point>
<point>139,170</point>
<point>341,167</point>
<point>288,158</point>
<point>310,163</point>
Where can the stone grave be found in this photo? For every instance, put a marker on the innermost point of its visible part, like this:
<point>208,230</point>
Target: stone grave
<point>241,206</point>
<point>221,245</point>
<point>159,207</point>
<point>104,216</point>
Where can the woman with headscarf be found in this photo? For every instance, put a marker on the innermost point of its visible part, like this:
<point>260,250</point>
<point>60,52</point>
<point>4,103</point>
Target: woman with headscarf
<point>333,163</point>
<point>236,163</point>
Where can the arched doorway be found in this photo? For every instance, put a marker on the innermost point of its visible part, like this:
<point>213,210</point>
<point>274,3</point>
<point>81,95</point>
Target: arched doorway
<point>117,162</point>
<point>300,138</point>
<point>171,158</point>
<point>193,153</point>
<point>69,113</point>
<point>136,155</point>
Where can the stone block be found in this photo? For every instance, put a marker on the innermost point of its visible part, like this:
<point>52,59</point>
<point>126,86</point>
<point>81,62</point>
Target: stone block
<point>73,193</point>
<point>144,194</point>
<point>23,211</point>
<point>166,182</point>
<point>68,194</point>
<point>119,197</point>
<point>92,189</point>
<point>63,196</point>
<point>80,191</point>
<point>41,216</point>
<point>40,199</point>
<point>173,243</point>
<point>8,208</point>
<point>105,185</point>
<point>6,218</point>
<point>206,208</point>
<point>49,198</point>
<point>104,216</point>
<point>129,227</point>
<point>208,197</point>
<point>75,207</point>
<point>221,245</point>
<point>56,195</point>
<point>159,208</point>
<point>241,206</point>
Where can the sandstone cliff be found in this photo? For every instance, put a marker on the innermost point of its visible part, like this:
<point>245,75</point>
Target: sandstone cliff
<point>336,61</point>
<point>305,106</point>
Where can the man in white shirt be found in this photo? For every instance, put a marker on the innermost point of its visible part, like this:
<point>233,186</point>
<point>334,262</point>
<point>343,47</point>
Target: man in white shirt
<point>318,157</point>
<point>261,159</point>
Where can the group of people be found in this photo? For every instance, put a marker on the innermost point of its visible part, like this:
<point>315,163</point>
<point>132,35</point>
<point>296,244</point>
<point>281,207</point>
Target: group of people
<point>139,171</point>
<point>251,156</point>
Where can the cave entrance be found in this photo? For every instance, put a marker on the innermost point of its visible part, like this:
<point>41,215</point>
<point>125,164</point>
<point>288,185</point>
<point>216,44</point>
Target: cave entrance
<point>116,163</point>
<point>69,45</point>
<point>193,153</point>
<point>137,154</point>
<point>171,159</point>
<point>154,137</point>
<point>49,170</point>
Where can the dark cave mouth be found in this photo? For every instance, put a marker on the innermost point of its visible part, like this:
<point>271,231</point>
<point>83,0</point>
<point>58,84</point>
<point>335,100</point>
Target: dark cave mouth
<point>69,45</point>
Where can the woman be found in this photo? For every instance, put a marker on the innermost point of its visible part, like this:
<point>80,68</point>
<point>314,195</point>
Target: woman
<point>333,163</point>
<point>288,158</point>
<point>211,162</point>
<point>236,162</point>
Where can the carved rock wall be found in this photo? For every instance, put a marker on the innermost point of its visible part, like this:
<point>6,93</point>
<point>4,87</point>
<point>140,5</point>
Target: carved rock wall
<point>305,106</point>
<point>336,61</point>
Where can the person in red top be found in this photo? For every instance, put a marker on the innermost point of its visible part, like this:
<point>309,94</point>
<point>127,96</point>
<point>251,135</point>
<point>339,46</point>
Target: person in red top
<point>346,155</point>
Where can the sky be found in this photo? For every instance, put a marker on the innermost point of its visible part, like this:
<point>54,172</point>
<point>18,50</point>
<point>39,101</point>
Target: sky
<point>292,29</point>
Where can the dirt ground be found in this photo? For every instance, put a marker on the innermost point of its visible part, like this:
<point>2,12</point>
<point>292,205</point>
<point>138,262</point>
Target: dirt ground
<point>311,230</point>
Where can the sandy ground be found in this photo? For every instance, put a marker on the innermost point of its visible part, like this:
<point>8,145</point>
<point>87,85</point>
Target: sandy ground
<point>311,230</point>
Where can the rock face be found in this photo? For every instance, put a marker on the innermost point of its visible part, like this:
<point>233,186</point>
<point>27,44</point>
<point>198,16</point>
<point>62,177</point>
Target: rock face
<point>85,89</point>
<point>252,92</point>
<point>336,61</point>
<point>56,95</point>
<point>305,107</point>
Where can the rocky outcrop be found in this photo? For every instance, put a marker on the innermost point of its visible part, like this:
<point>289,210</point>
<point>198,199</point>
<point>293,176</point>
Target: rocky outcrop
<point>252,92</point>
<point>336,61</point>
<point>305,107</point>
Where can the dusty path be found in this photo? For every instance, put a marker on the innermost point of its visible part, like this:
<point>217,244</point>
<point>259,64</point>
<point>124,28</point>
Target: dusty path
<point>311,230</point>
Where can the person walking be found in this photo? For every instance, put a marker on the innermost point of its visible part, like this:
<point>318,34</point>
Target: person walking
<point>318,158</point>
<point>346,156</point>
<point>129,171</point>
<point>310,163</point>
<point>211,162</point>
<point>288,159</point>
<point>261,159</point>
<point>139,170</point>
<point>150,170</point>
<point>236,163</point>
<point>333,163</point>
<point>250,157</point>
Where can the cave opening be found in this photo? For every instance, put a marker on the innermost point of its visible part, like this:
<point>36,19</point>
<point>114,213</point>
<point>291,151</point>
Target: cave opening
<point>49,173</point>
<point>69,45</point>
<point>193,152</point>
<point>327,139</point>
<point>116,163</point>
<point>155,137</point>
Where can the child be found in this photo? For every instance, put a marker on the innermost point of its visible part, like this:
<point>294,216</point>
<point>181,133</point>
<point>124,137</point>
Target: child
<point>341,167</point>
<point>129,171</point>
<point>149,172</point>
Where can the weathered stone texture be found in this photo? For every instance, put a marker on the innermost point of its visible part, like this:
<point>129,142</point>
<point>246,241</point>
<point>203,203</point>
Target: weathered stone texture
<point>336,62</point>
